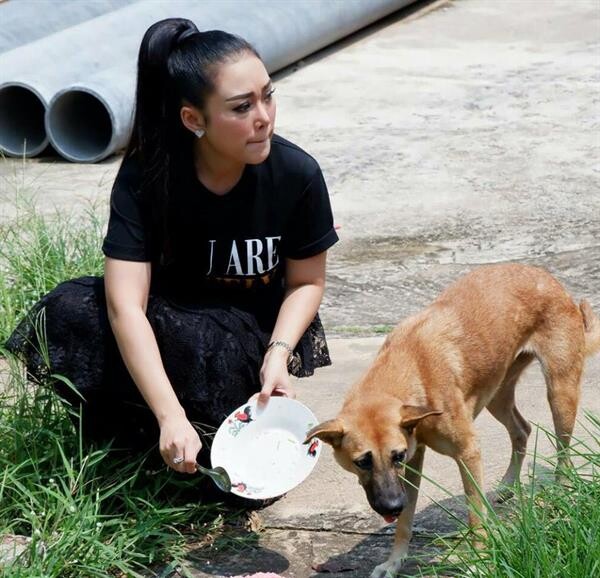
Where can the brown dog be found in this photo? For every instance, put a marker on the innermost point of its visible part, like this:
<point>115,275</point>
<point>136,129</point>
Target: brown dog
<point>439,368</point>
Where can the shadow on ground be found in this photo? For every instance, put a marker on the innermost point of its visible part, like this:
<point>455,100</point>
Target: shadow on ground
<point>305,551</point>
<point>339,545</point>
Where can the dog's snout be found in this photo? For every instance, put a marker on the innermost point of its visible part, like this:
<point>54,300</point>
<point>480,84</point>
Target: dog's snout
<point>389,505</point>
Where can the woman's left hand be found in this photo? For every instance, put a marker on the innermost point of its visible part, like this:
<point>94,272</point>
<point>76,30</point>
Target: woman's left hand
<point>274,376</point>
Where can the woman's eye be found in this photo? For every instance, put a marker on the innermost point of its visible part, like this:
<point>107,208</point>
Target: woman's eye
<point>244,107</point>
<point>269,94</point>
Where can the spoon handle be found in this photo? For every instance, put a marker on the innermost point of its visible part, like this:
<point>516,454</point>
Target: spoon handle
<point>207,471</point>
<point>218,475</point>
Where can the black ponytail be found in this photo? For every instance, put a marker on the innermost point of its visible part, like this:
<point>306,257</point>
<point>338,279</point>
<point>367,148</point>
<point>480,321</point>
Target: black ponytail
<point>176,63</point>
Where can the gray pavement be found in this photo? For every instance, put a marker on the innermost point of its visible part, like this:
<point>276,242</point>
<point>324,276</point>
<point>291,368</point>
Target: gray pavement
<point>466,133</point>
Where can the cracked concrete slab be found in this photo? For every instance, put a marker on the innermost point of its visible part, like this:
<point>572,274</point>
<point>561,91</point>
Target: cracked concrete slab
<point>466,136</point>
<point>297,553</point>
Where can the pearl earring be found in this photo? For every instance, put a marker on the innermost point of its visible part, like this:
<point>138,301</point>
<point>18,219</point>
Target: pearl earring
<point>199,133</point>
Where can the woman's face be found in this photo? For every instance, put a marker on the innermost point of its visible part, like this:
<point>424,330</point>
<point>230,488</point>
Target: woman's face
<point>239,115</point>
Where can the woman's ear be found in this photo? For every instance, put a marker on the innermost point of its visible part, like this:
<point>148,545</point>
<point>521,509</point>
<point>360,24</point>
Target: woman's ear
<point>192,118</point>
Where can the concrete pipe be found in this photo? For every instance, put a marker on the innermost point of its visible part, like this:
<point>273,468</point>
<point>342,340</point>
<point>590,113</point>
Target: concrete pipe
<point>31,75</point>
<point>22,111</point>
<point>24,21</point>
<point>89,120</point>
<point>24,96</point>
<point>92,118</point>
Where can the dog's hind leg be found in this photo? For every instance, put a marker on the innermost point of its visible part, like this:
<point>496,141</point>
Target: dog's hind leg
<point>503,408</point>
<point>563,396</point>
<point>561,354</point>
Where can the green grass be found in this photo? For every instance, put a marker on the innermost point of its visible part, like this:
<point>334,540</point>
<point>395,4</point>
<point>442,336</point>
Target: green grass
<point>39,251</point>
<point>89,512</point>
<point>547,530</point>
<point>86,512</point>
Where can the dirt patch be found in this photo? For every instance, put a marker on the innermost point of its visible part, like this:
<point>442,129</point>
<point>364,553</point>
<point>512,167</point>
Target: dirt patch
<point>392,249</point>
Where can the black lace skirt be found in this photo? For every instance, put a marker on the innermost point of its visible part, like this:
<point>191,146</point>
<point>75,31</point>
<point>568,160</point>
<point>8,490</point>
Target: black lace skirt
<point>212,356</point>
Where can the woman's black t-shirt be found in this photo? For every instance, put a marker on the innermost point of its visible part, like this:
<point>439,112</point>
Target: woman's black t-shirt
<point>229,249</point>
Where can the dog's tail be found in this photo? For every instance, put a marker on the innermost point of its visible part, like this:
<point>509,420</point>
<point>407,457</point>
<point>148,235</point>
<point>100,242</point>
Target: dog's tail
<point>591,326</point>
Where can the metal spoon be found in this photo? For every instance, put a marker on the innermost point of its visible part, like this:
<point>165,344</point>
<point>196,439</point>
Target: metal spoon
<point>218,475</point>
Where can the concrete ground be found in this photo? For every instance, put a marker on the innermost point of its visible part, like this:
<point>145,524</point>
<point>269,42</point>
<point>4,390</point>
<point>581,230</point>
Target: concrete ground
<point>464,133</point>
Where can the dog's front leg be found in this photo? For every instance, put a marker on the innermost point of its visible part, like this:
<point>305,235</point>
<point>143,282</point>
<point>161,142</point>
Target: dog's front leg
<point>471,471</point>
<point>405,520</point>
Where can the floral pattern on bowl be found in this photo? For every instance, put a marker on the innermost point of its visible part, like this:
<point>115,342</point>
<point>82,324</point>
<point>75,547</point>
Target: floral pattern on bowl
<point>239,420</point>
<point>245,490</point>
<point>312,448</point>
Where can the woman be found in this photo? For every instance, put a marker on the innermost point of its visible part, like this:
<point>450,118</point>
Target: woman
<point>215,256</point>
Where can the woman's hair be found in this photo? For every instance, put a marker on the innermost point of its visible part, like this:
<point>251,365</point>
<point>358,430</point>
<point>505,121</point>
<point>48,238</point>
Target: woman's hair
<point>176,64</point>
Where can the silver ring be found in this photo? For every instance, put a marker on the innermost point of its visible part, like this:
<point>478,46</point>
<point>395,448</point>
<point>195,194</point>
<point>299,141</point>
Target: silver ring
<point>178,460</point>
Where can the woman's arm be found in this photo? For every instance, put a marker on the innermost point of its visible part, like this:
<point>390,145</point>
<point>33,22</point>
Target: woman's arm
<point>305,283</point>
<point>127,285</point>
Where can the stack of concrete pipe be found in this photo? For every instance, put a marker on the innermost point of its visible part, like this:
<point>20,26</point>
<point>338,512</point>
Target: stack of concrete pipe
<point>23,21</point>
<point>75,88</point>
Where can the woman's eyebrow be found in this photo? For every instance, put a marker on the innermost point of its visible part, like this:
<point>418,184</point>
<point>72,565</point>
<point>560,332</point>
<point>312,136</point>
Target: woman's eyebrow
<point>249,94</point>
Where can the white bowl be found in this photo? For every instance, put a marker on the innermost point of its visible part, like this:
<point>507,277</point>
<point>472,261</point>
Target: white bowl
<point>264,454</point>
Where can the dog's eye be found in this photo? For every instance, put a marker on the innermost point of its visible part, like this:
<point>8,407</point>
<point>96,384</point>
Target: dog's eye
<point>365,462</point>
<point>398,458</point>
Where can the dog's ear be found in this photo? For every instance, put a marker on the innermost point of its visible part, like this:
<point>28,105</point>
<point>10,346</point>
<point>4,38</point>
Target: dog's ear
<point>413,414</point>
<point>330,431</point>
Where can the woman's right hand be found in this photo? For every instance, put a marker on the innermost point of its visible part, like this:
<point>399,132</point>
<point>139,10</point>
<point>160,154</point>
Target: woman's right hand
<point>179,439</point>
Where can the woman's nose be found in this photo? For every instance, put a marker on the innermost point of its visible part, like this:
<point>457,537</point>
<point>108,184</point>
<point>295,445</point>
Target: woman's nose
<point>262,115</point>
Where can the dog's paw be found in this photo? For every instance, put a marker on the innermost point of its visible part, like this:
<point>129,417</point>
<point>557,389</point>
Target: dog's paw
<point>502,494</point>
<point>388,569</point>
